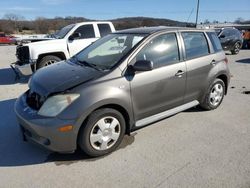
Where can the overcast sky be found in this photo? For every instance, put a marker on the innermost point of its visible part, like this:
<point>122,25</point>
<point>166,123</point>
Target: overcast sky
<point>221,10</point>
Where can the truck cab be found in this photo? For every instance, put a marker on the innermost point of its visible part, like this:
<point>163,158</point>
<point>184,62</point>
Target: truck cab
<point>66,43</point>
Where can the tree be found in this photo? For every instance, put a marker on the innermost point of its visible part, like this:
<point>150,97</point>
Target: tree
<point>41,25</point>
<point>147,23</point>
<point>206,21</point>
<point>13,21</point>
<point>239,20</point>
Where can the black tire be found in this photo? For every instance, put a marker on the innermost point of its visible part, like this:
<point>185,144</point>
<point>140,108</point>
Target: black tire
<point>236,48</point>
<point>208,102</point>
<point>48,60</point>
<point>94,149</point>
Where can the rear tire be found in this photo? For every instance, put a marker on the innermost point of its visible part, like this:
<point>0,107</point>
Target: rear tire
<point>214,96</point>
<point>236,48</point>
<point>48,60</point>
<point>102,133</point>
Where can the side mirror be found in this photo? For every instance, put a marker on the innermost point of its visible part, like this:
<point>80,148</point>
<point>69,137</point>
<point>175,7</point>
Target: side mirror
<point>143,65</point>
<point>75,36</point>
<point>222,36</point>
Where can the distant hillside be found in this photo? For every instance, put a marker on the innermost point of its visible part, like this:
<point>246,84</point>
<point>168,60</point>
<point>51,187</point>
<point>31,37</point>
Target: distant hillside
<point>132,22</point>
<point>45,25</point>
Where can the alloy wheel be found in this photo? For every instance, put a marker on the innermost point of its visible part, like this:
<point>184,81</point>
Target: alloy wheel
<point>50,62</point>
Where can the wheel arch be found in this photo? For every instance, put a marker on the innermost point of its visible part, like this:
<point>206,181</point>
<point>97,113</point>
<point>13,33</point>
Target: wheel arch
<point>122,110</point>
<point>61,55</point>
<point>224,78</point>
<point>114,106</point>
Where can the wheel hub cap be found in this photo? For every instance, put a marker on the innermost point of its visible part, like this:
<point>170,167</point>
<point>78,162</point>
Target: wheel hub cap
<point>105,133</point>
<point>216,94</point>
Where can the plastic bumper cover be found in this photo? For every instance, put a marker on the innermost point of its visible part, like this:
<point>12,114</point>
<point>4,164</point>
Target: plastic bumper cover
<point>44,131</point>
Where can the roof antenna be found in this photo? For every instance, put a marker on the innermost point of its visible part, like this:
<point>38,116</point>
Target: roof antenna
<point>190,15</point>
<point>197,13</point>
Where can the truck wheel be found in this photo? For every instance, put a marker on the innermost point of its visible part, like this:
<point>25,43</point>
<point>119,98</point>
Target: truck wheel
<point>48,60</point>
<point>214,95</point>
<point>102,133</point>
<point>236,48</point>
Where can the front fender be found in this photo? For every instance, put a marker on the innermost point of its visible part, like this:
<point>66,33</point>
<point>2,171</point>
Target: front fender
<point>48,47</point>
<point>96,95</point>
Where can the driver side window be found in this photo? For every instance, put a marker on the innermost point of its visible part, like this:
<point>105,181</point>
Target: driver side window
<point>86,31</point>
<point>162,50</point>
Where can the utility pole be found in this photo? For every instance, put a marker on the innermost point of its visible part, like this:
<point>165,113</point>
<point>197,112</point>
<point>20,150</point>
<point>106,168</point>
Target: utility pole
<point>197,13</point>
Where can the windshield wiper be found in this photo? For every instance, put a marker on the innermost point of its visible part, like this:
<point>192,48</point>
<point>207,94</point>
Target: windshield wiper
<point>85,63</point>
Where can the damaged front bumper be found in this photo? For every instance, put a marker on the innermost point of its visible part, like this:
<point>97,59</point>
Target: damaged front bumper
<point>23,69</point>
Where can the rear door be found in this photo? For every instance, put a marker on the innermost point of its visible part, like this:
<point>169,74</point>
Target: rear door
<point>162,88</point>
<point>104,29</point>
<point>199,62</point>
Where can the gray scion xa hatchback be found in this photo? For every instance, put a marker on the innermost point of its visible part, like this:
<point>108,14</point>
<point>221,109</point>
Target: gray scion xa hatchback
<point>122,82</point>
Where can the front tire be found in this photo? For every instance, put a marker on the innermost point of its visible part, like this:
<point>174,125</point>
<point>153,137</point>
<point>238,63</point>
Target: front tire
<point>214,95</point>
<point>236,48</point>
<point>48,60</point>
<point>102,133</point>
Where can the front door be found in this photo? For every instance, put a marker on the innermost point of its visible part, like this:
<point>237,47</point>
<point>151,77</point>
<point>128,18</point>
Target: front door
<point>225,38</point>
<point>88,36</point>
<point>163,87</point>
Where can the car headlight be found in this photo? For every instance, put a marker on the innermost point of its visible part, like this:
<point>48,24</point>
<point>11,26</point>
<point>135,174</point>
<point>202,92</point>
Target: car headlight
<point>56,104</point>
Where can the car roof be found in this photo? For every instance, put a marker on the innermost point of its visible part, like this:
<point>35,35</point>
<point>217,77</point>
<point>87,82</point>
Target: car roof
<point>93,22</point>
<point>151,30</point>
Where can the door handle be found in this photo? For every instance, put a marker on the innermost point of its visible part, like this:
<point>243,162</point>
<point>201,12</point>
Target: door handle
<point>213,62</point>
<point>179,73</point>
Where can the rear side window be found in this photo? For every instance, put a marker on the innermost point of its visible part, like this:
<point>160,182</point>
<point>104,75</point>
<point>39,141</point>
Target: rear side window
<point>87,31</point>
<point>215,41</point>
<point>162,50</point>
<point>104,29</point>
<point>195,44</point>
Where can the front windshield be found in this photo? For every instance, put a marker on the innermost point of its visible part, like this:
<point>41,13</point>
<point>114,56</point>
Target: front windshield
<point>107,51</point>
<point>63,32</point>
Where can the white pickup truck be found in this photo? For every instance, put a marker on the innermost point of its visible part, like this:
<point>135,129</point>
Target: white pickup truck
<point>65,43</point>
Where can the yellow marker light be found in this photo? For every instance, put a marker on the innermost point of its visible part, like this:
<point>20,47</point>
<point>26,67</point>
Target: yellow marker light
<point>65,128</point>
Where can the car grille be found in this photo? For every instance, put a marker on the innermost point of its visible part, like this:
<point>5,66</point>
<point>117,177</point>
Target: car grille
<point>23,54</point>
<point>34,100</point>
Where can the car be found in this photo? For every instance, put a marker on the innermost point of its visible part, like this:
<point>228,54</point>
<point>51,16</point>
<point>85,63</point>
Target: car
<point>120,83</point>
<point>231,39</point>
<point>65,43</point>
<point>4,39</point>
<point>246,39</point>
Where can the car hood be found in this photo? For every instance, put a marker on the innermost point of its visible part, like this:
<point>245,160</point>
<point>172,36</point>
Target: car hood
<point>44,41</point>
<point>60,77</point>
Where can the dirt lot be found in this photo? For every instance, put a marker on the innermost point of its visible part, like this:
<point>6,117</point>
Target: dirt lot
<point>191,149</point>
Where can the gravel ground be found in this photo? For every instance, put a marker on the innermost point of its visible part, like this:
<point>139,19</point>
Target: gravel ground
<point>191,149</point>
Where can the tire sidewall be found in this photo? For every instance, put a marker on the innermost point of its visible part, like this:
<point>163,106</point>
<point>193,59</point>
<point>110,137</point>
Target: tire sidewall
<point>43,61</point>
<point>234,48</point>
<point>85,131</point>
<point>208,104</point>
